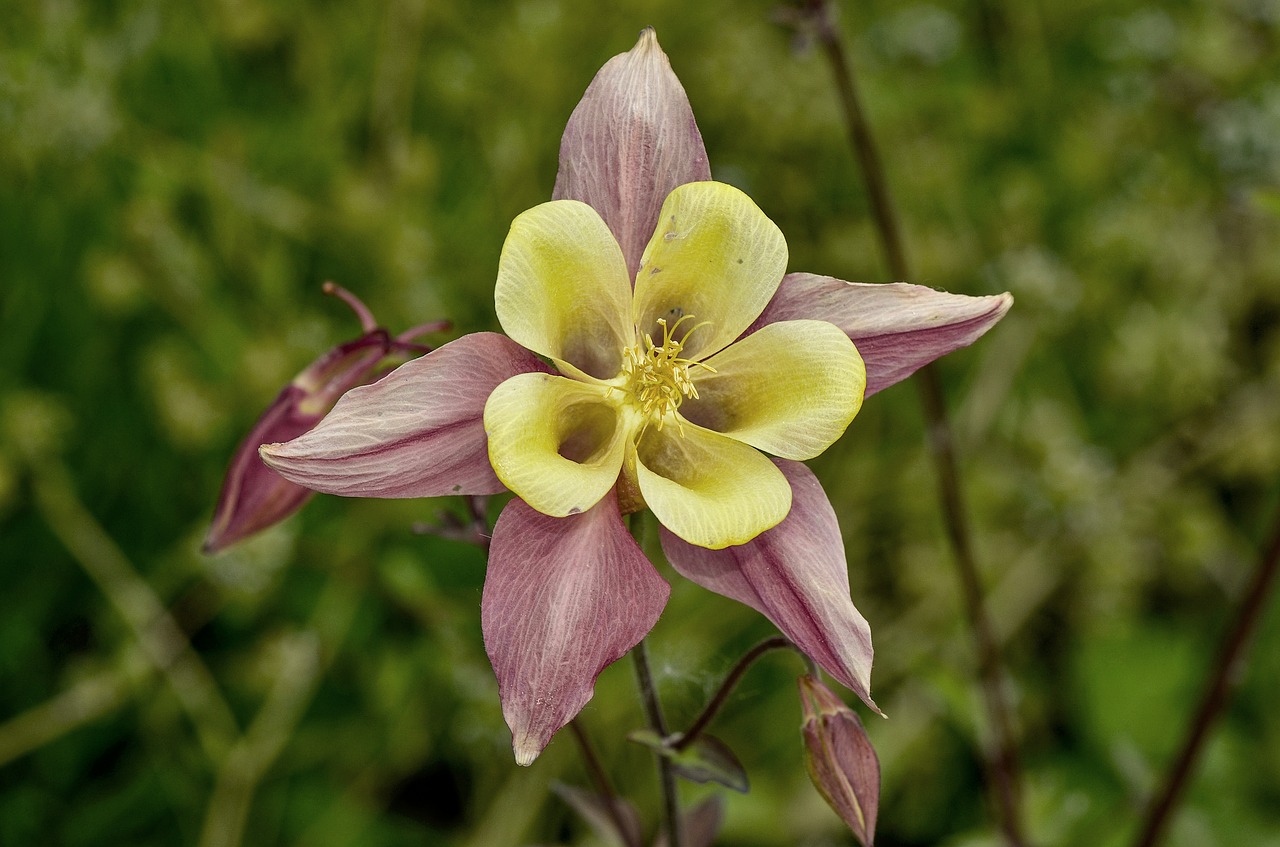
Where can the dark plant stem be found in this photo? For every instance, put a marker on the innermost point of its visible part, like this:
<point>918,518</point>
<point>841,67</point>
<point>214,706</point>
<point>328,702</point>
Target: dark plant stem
<point>1001,763</point>
<point>864,145</point>
<point>726,688</point>
<point>653,709</point>
<point>1225,677</point>
<point>602,783</point>
<point>477,507</point>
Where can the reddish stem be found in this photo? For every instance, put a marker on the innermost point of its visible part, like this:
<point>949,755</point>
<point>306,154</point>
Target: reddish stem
<point>712,708</point>
<point>1222,682</point>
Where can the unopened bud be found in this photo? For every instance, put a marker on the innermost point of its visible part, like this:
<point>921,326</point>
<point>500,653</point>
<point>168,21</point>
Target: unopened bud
<point>841,761</point>
<point>254,497</point>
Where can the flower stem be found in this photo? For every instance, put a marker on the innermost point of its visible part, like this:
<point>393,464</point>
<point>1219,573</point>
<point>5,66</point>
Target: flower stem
<point>602,783</point>
<point>1226,675</point>
<point>1001,763</point>
<point>653,709</point>
<point>726,688</point>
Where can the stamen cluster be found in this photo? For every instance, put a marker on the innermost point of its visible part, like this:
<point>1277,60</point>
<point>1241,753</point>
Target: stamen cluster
<point>657,376</point>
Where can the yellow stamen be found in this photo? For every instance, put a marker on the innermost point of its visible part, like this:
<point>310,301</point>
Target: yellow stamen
<point>657,376</point>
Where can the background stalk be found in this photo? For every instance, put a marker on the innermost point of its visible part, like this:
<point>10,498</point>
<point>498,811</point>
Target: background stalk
<point>1224,677</point>
<point>1001,763</point>
<point>601,780</point>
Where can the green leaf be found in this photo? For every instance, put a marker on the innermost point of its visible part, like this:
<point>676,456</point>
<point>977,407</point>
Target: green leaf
<point>707,759</point>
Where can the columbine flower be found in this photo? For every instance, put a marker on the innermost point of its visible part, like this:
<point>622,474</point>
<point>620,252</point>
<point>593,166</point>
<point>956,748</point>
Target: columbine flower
<point>654,386</point>
<point>663,394</point>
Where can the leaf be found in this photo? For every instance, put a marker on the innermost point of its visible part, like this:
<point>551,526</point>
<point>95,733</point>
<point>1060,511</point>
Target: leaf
<point>707,759</point>
<point>594,809</point>
<point>701,824</point>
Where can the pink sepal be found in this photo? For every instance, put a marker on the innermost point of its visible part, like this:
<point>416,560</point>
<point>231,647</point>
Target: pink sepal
<point>563,599</point>
<point>898,328</point>
<point>417,432</point>
<point>630,140</point>
<point>795,575</point>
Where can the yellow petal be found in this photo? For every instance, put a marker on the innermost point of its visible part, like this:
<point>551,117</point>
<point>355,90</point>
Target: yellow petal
<point>707,488</point>
<point>555,442</point>
<point>791,388</point>
<point>563,289</point>
<point>714,256</point>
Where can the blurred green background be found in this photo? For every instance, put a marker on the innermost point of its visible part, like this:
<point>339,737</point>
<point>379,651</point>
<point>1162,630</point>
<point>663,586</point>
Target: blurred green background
<point>178,179</point>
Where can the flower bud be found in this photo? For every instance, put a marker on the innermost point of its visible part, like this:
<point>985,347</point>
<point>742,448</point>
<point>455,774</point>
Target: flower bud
<point>254,497</point>
<point>840,758</point>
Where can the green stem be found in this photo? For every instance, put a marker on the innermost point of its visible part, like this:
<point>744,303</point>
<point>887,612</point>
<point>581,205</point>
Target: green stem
<point>303,658</point>
<point>653,710</point>
<point>83,703</point>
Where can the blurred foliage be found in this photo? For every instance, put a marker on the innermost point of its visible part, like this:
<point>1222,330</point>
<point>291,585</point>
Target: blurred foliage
<point>179,179</point>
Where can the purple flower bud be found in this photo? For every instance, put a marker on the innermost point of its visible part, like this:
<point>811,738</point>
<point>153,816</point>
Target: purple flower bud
<point>842,763</point>
<point>255,497</point>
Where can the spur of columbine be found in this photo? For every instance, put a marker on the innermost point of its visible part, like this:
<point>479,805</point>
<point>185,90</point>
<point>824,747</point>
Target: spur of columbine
<point>680,351</point>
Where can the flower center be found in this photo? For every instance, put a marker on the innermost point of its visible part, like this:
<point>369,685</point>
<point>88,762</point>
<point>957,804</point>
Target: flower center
<point>657,376</point>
